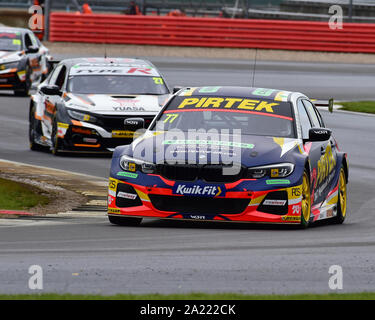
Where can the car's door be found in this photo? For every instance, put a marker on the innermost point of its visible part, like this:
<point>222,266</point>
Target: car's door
<point>314,149</point>
<point>50,101</point>
<point>33,57</point>
<point>322,156</point>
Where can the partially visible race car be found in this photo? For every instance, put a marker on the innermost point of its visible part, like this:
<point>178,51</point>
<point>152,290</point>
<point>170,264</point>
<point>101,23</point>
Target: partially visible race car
<point>24,60</point>
<point>234,154</point>
<point>84,104</point>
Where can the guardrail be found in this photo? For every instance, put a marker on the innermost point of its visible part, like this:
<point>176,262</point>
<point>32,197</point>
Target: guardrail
<point>211,32</point>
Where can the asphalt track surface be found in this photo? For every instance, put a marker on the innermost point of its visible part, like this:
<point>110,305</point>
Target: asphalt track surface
<point>88,255</point>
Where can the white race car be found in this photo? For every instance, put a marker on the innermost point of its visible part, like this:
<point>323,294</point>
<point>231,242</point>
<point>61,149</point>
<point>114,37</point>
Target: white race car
<point>95,104</point>
<point>24,60</point>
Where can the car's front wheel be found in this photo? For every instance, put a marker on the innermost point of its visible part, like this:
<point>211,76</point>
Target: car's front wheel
<point>55,138</point>
<point>34,129</point>
<point>125,221</point>
<point>306,201</point>
<point>26,86</point>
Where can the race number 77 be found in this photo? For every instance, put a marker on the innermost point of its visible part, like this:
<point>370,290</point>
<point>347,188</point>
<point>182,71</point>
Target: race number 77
<point>170,117</point>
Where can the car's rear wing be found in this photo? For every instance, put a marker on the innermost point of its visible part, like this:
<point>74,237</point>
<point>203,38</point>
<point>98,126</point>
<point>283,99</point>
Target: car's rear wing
<point>324,103</point>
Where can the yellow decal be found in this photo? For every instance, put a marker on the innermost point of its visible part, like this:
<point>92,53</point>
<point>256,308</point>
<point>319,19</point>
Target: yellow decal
<point>294,192</point>
<point>122,134</point>
<point>143,196</point>
<point>63,125</point>
<point>113,211</point>
<point>291,218</point>
<point>188,92</point>
<point>17,42</point>
<point>170,117</point>
<point>112,184</point>
<point>229,103</point>
<point>274,173</point>
<point>326,164</point>
<point>132,167</point>
<point>158,80</point>
<point>282,96</point>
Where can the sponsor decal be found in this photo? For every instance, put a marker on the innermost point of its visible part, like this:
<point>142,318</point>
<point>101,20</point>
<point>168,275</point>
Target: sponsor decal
<point>197,217</point>
<point>61,129</point>
<point>296,209</point>
<point>228,103</point>
<point>158,80</point>
<point>270,202</point>
<point>126,195</point>
<point>274,173</point>
<point>112,185</point>
<point>122,134</point>
<point>209,89</point>
<point>22,75</point>
<point>198,190</point>
<point>127,174</point>
<point>282,96</point>
<point>211,143</point>
<point>128,108</point>
<point>291,219</point>
<point>263,92</point>
<point>113,211</point>
<point>326,164</point>
<point>296,192</point>
<point>277,181</point>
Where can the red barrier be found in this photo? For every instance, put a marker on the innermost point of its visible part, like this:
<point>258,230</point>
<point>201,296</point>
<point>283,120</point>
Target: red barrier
<point>211,32</point>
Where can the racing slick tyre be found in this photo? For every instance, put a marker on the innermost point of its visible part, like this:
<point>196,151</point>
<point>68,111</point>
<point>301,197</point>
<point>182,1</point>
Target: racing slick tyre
<point>342,198</point>
<point>306,201</point>
<point>25,90</point>
<point>34,127</point>
<point>125,221</point>
<point>55,139</point>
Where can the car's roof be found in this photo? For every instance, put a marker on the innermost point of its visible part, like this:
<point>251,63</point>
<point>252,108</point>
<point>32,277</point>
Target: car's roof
<point>112,65</point>
<point>106,61</point>
<point>241,92</point>
<point>13,29</point>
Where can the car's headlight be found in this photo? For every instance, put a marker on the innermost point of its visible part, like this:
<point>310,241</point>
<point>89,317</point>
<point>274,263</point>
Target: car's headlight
<point>130,164</point>
<point>9,65</point>
<point>280,170</point>
<point>80,116</point>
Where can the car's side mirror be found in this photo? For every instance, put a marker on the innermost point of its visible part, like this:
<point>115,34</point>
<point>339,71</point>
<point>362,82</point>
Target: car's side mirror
<point>319,134</point>
<point>51,90</point>
<point>32,49</point>
<point>133,124</point>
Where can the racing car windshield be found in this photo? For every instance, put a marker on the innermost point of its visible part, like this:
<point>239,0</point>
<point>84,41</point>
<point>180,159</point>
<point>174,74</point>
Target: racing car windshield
<point>251,116</point>
<point>117,84</point>
<point>10,41</point>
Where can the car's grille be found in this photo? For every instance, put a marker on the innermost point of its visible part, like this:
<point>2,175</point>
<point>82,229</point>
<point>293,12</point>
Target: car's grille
<point>209,173</point>
<point>113,143</point>
<point>117,122</point>
<point>199,205</point>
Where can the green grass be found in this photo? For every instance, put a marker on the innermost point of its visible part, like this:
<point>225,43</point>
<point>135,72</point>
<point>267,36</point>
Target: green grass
<point>19,196</point>
<point>359,106</point>
<point>194,296</point>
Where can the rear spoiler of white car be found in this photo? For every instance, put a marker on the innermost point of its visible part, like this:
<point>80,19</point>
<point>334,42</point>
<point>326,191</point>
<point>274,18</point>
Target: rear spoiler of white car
<point>324,103</point>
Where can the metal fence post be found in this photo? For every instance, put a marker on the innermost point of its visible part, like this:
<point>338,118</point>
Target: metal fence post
<point>47,9</point>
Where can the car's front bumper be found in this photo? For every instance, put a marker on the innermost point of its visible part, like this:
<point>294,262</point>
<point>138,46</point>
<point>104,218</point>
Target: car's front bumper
<point>240,203</point>
<point>12,79</point>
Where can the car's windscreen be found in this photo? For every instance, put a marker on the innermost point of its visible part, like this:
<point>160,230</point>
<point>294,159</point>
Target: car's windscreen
<point>10,41</point>
<point>251,116</point>
<point>116,84</point>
